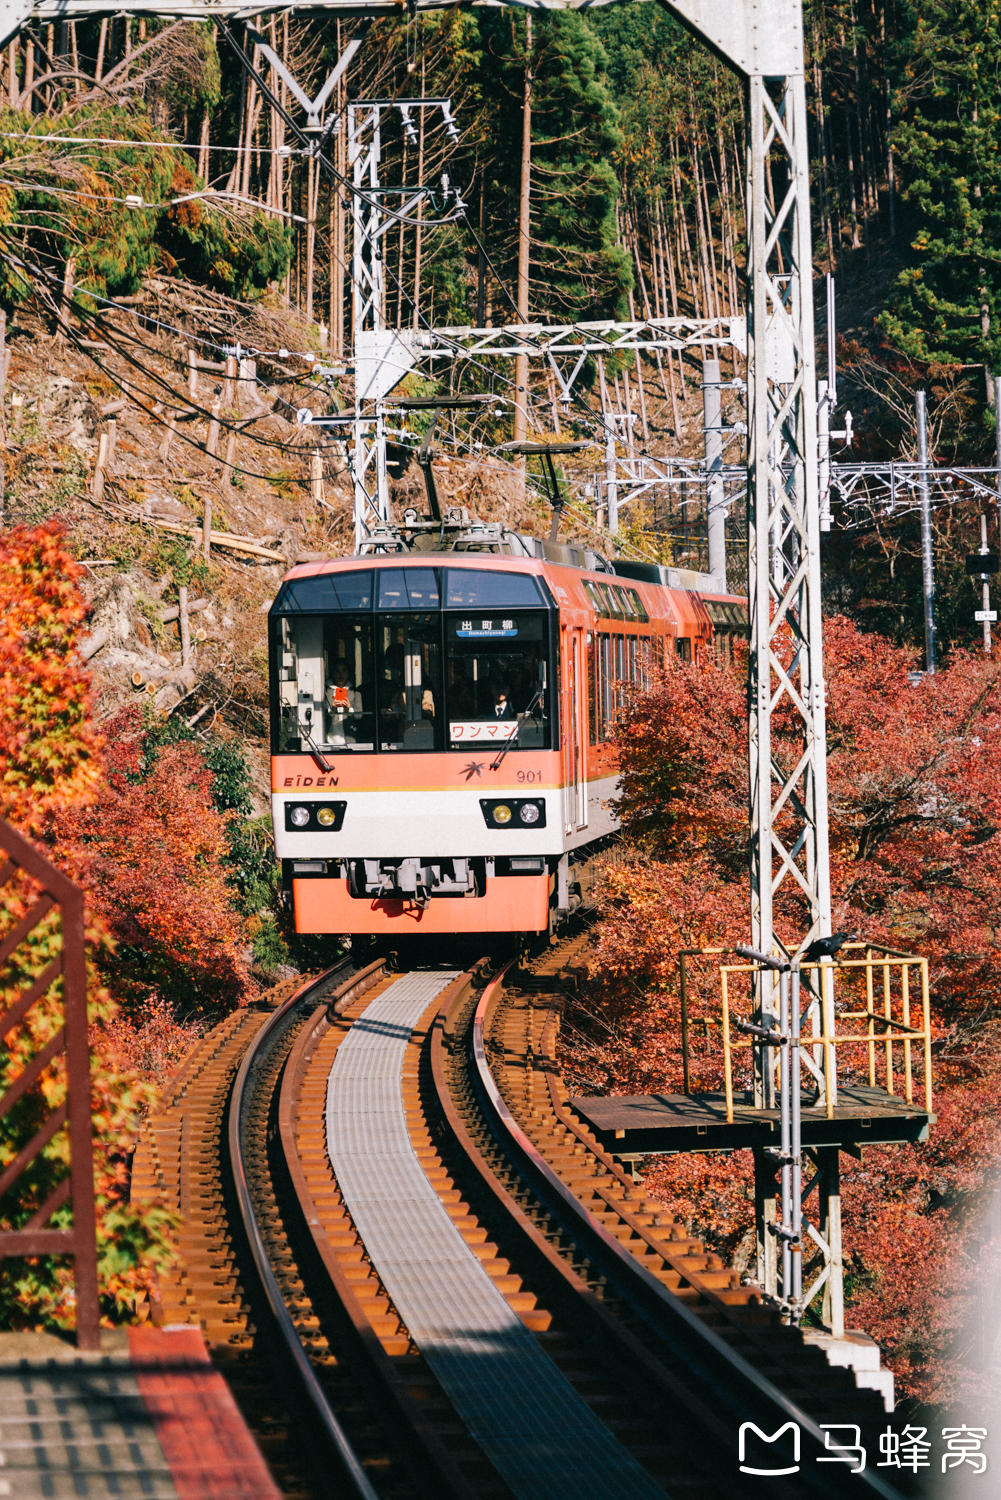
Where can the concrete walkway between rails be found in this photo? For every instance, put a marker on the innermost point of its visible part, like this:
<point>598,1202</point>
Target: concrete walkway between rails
<point>540,1435</point>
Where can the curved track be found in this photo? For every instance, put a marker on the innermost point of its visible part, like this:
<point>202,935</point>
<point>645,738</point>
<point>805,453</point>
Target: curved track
<point>466,1297</point>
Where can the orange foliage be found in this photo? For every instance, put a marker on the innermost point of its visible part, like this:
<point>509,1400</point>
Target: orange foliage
<point>48,747</point>
<point>146,844</point>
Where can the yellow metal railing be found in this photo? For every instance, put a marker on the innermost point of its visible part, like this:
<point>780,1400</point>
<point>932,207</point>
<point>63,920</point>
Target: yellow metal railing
<point>883,1029</point>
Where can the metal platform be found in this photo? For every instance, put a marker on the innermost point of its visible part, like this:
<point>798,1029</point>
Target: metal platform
<point>144,1418</point>
<point>643,1124</point>
<point>534,1427</point>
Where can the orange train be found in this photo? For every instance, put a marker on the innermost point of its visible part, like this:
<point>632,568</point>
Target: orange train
<point>441,724</point>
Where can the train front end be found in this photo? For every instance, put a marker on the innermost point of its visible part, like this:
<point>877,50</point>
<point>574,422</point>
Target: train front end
<point>415,763</point>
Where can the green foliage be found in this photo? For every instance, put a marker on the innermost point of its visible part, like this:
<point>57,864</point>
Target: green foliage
<point>270,947</point>
<point>178,560</point>
<point>64,201</point>
<point>948,304</point>
<point>252,867</point>
<point>576,257</point>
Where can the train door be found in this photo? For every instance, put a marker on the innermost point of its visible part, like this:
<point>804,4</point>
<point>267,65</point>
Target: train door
<point>574,782</point>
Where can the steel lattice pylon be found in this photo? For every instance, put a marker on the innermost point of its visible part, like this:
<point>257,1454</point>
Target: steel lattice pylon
<point>786,660</point>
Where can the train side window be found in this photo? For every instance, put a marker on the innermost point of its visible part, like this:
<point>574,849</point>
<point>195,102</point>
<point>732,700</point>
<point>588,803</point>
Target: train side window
<point>595,595</point>
<point>603,685</point>
<point>643,645</point>
<point>639,609</point>
<point>592,687</point>
<point>613,606</point>
<point>683,648</point>
<point>619,671</point>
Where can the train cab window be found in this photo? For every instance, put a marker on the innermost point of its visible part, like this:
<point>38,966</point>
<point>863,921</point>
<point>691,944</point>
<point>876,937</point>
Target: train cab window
<point>497,690</point>
<point>325,591</point>
<point>683,648</point>
<point>325,676</point>
<point>482,588</point>
<point>409,697</point>
<point>408,588</point>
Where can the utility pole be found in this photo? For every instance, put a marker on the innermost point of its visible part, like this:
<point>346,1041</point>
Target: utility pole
<point>986,605</point>
<point>927,556</point>
<point>611,483</point>
<point>712,422</point>
<point>524,241</point>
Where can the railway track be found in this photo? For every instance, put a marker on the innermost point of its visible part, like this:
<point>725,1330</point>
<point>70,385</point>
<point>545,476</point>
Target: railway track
<point>464,1295</point>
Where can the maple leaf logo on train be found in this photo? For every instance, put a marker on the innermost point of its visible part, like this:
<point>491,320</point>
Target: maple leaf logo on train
<point>474,768</point>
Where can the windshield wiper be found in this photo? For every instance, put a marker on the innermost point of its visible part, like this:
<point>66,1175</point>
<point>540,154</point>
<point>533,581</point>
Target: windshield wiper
<point>304,730</point>
<point>514,737</point>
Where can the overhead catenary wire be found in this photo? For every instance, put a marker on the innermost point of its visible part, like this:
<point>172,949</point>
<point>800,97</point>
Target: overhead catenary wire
<point>331,171</point>
<point>206,193</point>
<point>103,140</point>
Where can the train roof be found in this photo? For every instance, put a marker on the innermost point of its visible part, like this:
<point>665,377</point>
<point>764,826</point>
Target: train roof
<point>489,545</point>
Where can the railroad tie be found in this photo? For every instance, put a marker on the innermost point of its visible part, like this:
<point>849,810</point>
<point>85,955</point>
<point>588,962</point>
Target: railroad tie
<point>527,1418</point>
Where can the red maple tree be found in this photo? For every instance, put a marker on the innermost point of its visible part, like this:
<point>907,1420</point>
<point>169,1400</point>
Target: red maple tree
<point>915,823</point>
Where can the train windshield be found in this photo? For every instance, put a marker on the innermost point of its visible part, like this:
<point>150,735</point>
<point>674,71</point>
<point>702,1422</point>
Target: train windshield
<point>408,661</point>
<point>497,690</point>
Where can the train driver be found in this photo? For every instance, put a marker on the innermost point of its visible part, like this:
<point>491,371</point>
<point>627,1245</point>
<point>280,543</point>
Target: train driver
<point>502,705</point>
<point>343,703</point>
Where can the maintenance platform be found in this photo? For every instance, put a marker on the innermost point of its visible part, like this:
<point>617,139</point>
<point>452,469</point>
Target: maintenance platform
<point>146,1415</point>
<point>638,1125</point>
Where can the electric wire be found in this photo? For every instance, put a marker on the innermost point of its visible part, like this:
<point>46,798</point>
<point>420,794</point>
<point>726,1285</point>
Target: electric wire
<point>193,405</point>
<point>319,155</point>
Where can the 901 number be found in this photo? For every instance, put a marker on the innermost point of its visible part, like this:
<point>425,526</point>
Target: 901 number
<point>529,776</point>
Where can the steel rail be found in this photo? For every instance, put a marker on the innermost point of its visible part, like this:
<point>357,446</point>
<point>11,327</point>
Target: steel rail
<point>432,1466</point>
<point>332,1435</point>
<point>748,1390</point>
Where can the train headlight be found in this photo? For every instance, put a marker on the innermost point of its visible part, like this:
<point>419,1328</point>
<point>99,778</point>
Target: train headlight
<point>502,813</point>
<point>299,817</point>
<point>326,817</point>
<point>529,812</point>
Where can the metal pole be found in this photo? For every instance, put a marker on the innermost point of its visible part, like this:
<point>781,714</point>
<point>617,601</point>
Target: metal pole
<point>987,586</point>
<point>371,485</point>
<point>927,557</point>
<point>824,403</point>
<point>611,483</point>
<point>786,1140</point>
<point>712,421</point>
<point>795,1142</point>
